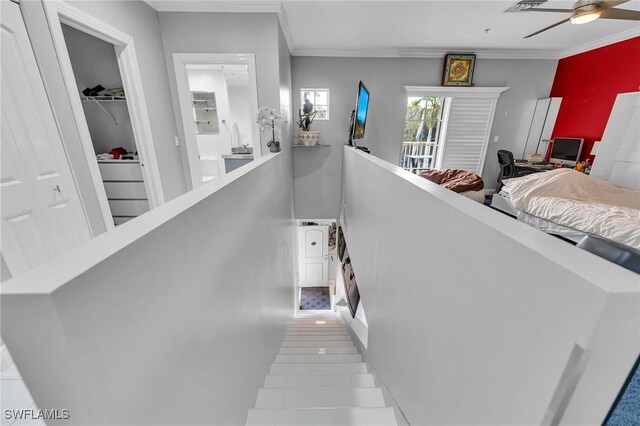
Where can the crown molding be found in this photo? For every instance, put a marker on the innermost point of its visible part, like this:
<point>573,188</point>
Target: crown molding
<point>625,35</point>
<point>423,53</point>
<point>223,6</point>
<point>286,29</point>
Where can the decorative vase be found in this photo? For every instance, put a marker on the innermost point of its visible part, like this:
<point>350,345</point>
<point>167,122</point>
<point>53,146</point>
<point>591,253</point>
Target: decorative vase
<point>309,137</point>
<point>274,146</point>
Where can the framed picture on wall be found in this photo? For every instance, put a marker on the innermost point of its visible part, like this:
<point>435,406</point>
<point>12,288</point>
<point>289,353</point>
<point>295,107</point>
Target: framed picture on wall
<point>458,69</point>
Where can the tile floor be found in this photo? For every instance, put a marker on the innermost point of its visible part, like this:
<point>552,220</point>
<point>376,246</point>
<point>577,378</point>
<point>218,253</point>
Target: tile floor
<point>14,395</point>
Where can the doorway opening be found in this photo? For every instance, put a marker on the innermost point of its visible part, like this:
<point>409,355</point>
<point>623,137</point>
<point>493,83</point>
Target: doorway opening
<point>217,94</point>
<point>93,58</point>
<point>104,103</point>
<point>317,264</point>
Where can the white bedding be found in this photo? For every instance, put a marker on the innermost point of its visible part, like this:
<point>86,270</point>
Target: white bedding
<point>577,201</point>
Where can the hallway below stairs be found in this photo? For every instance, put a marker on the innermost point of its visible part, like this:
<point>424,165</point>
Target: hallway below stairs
<point>318,378</point>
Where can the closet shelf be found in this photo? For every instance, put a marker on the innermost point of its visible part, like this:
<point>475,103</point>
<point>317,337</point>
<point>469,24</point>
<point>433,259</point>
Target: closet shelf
<point>103,98</point>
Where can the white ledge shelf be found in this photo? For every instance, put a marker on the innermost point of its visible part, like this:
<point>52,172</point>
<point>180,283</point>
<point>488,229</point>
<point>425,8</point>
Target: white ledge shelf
<point>104,98</point>
<point>320,145</point>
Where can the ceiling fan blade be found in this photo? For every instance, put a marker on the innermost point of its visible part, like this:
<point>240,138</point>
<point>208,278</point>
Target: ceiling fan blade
<point>614,3</point>
<point>540,9</point>
<point>548,28</point>
<point>631,15</point>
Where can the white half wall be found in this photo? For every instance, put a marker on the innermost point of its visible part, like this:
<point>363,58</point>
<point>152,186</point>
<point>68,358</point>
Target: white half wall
<point>173,317</point>
<point>473,316</point>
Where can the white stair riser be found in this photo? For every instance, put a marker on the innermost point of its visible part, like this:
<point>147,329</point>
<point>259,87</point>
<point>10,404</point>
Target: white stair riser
<point>319,350</point>
<point>319,398</point>
<point>316,369</point>
<point>334,338</point>
<point>327,381</point>
<point>317,333</point>
<point>318,359</point>
<point>322,417</point>
<point>311,343</point>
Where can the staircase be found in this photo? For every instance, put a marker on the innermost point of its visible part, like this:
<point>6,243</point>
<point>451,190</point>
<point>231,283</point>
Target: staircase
<point>318,378</point>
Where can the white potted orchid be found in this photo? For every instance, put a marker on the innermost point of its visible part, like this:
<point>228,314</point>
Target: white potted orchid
<point>268,118</point>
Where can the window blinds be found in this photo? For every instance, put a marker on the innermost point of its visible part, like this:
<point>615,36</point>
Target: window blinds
<point>467,133</point>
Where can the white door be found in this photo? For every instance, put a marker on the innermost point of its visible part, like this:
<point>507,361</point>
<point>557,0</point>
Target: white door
<point>313,254</point>
<point>42,215</point>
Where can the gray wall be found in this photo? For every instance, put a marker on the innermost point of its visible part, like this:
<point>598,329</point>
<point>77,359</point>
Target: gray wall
<point>317,172</point>
<point>225,33</point>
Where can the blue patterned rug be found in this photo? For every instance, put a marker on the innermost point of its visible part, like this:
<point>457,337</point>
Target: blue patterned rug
<point>313,298</point>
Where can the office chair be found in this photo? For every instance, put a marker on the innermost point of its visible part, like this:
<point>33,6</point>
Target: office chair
<point>508,168</point>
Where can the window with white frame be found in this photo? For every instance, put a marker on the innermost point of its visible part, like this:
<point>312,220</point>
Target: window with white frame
<point>448,127</point>
<point>315,100</point>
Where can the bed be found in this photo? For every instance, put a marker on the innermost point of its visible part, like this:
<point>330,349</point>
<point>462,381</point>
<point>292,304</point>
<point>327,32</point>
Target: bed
<point>571,204</point>
<point>465,183</point>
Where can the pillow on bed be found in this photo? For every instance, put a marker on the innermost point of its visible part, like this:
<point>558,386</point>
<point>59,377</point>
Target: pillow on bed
<point>455,179</point>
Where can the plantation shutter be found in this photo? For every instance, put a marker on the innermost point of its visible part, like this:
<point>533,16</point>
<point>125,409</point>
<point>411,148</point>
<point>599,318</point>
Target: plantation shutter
<point>467,133</point>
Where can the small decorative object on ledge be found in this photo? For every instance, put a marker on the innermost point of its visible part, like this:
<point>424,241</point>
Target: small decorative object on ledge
<point>306,136</point>
<point>458,70</point>
<point>267,119</point>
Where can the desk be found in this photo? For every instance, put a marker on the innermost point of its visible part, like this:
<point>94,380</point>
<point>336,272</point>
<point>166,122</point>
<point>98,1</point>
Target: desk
<point>532,167</point>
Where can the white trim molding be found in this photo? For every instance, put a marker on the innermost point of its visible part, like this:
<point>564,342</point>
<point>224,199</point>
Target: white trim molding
<point>625,35</point>
<point>451,91</point>
<point>58,13</point>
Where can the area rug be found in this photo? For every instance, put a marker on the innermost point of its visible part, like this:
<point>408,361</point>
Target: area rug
<point>313,298</point>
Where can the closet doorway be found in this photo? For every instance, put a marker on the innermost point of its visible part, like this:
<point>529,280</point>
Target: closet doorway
<point>218,99</point>
<point>102,78</point>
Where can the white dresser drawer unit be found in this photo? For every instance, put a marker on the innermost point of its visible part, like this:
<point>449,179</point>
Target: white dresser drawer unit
<point>125,190</point>
<point>124,185</point>
<point>120,170</point>
<point>131,208</point>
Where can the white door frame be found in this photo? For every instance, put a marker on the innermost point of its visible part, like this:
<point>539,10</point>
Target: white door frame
<point>180,62</point>
<point>58,13</point>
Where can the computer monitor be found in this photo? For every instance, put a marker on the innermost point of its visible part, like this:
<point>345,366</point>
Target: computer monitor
<point>566,151</point>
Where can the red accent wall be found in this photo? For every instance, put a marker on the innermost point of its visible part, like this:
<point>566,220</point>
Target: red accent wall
<point>588,84</point>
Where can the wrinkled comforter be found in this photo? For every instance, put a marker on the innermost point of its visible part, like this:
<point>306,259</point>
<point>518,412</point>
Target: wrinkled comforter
<point>577,201</point>
<point>455,179</point>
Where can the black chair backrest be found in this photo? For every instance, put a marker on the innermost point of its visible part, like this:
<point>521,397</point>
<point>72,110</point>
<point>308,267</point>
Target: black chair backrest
<point>507,165</point>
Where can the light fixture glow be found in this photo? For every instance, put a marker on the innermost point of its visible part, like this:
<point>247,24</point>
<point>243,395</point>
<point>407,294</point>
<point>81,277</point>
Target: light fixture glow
<point>588,13</point>
<point>321,322</point>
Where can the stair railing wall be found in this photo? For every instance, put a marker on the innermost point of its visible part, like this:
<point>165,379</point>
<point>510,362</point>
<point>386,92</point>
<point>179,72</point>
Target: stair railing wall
<point>173,317</point>
<point>476,318</point>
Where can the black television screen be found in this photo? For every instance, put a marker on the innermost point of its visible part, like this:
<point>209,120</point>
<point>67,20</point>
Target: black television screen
<point>362,105</point>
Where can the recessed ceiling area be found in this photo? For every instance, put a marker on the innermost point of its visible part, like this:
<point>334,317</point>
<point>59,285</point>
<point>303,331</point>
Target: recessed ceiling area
<point>423,28</point>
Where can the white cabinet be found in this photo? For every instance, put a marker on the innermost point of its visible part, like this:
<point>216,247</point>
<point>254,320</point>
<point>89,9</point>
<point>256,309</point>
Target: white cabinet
<point>542,124</point>
<point>125,190</point>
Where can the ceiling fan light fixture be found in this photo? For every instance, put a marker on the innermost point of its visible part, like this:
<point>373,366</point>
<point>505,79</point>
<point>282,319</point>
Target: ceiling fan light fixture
<point>587,13</point>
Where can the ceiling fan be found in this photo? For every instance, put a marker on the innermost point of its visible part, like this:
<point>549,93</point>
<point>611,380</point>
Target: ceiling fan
<point>584,11</point>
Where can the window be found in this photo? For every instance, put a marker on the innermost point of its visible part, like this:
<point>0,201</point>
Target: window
<point>448,127</point>
<point>319,101</point>
<point>421,133</point>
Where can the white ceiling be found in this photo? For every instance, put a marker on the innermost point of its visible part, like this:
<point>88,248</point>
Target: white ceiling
<point>422,28</point>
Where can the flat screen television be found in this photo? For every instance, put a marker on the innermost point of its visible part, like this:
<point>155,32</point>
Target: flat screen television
<point>566,151</point>
<point>360,116</point>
